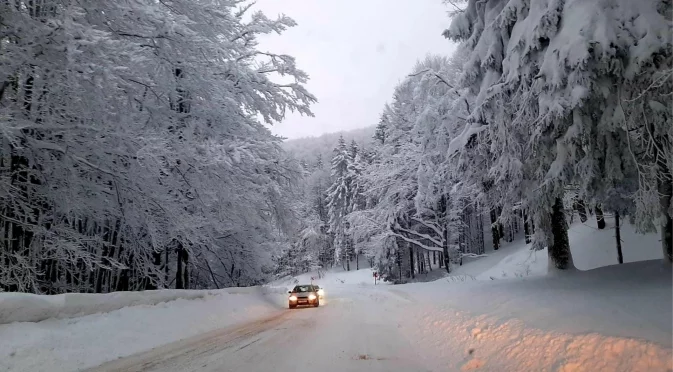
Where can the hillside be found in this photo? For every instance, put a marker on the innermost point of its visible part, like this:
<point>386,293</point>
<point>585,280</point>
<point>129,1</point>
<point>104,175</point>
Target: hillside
<point>308,148</point>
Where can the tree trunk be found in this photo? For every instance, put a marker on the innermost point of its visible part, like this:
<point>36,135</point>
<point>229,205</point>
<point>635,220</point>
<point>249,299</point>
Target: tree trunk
<point>582,210</point>
<point>526,227</point>
<point>429,262</point>
<point>411,261</point>
<point>480,226</point>
<point>357,261</point>
<point>419,269</point>
<point>495,231</point>
<point>445,250</point>
<point>620,257</point>
<point>665,188</point>
<point>600,220</point>
<point>398,258</point>
<point>559,252</point>
<point>434,257</point>
<point>181,269</point>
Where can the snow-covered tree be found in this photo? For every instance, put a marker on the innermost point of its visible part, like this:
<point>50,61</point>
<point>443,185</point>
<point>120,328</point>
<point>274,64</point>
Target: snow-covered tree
<point>546,110</point>
<point>132,156</point>
<point>338,199</point>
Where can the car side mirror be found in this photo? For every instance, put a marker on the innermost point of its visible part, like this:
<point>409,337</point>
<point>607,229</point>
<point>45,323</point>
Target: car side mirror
<point>290,292</point>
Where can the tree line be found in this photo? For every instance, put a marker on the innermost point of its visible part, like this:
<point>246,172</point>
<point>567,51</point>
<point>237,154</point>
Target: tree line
<point>134,150</point>
<point>540,114</point>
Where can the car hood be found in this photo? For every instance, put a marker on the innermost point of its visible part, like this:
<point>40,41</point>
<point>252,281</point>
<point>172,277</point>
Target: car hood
<point>304,294</point>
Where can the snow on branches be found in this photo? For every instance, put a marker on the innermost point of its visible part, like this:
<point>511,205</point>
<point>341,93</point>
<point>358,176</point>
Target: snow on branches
<point>132,157</point>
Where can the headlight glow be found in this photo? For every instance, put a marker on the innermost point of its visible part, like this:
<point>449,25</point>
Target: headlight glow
<point>293,298</point>
<point>321,292</point>
<point>311,297</point>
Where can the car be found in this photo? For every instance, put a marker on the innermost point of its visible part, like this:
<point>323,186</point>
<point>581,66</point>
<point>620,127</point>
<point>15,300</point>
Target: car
<point>303,295</point>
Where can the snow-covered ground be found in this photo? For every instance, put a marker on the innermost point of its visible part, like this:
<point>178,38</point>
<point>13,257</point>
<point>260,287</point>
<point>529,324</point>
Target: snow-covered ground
<point>591,248</point>
<point>620,315</point>
<point>496,313</point>
<point>74,344</point>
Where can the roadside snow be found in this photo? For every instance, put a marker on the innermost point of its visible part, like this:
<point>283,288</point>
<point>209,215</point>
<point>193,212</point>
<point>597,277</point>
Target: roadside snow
<point>591,248</point>
<point>73,344</point>
<point>26,307</point>
<point>615,318</point>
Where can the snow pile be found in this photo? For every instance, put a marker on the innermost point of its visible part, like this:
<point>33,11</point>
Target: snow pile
<point>612,318</point>
<point>26,307</point>
<point>460,342</point>
<point>591,248</point>
<point>73,344</point>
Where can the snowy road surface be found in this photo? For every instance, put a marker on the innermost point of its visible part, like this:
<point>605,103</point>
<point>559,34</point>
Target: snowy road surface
<point>351,333</point>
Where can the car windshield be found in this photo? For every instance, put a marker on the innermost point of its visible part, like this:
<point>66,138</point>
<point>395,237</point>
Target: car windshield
<point>302,288</point>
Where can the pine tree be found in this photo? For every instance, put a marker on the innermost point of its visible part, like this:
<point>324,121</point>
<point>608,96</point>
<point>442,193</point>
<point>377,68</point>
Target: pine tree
<point>338,198</point>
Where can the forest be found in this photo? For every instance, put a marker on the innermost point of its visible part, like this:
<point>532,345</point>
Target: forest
<point>137,154</point>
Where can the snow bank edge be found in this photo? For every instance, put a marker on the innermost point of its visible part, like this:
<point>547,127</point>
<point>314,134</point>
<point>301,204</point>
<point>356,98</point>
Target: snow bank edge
<point>27,307</point>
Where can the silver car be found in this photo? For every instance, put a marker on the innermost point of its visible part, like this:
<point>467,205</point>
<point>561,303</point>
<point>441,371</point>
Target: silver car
<point>304,295</point>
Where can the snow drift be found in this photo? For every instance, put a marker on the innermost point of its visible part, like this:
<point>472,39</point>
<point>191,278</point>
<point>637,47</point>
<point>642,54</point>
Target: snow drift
<point>25,307</point>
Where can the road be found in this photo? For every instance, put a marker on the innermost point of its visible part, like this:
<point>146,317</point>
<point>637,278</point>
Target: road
<point>354,330</point>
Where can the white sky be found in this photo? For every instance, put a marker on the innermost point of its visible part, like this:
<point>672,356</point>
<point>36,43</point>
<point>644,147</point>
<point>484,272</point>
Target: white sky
<point>355,52</point>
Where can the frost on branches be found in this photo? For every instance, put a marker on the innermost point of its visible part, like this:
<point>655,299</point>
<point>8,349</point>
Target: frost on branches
<point>572,93</point>
<point>132,156</point>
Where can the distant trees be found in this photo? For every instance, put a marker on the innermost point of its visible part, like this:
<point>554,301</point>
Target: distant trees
<point>533,118</point>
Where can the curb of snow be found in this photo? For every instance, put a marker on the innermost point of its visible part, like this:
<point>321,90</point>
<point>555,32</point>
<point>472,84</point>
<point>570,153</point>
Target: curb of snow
<point>26,307</point>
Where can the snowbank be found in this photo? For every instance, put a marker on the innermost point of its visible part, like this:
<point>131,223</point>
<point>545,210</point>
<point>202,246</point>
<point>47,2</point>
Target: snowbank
<point>25,307</point>
<point>591,248</point>
<point>630,300</point>
<point>73,344</point>
<point>615,318</point>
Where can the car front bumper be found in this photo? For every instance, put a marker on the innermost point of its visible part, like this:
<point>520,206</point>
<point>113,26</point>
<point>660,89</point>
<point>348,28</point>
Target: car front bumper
<point>304,302</point>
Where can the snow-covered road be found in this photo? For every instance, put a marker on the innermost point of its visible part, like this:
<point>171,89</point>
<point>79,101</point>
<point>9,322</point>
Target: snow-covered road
<point>355,329</point>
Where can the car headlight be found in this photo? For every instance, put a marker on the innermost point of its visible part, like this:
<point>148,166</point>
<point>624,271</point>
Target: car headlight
<point>293,298</point>
<point>321,292</point>
<point>311,297</point>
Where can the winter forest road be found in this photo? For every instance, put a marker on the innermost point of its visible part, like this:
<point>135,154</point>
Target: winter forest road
<point>352,330</point>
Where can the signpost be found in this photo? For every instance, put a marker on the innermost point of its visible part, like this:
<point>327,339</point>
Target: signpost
<point>376,276</point>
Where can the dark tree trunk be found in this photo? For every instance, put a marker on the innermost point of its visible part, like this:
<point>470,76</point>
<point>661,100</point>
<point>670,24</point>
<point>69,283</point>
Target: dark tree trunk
<point>166,253</point>
<point>411,261</point>
<point>357,261</point>
<point>434,257</point>
<point>618,238</point>
<point>179,278</point>
<point>600,220</point>
<point>495,231</point>
<point>665,188</point>
<point>582,210</point>
<point>526,227</point>
<point>480,236</point>
<point>429,262</point>
<point>348,262</point>
<point>445,250</point>
<point>398,258</point>
<point>560,250</point>
<point>185,263</point>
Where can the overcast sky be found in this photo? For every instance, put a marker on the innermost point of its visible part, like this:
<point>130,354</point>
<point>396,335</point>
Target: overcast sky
<point>355,52</point>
